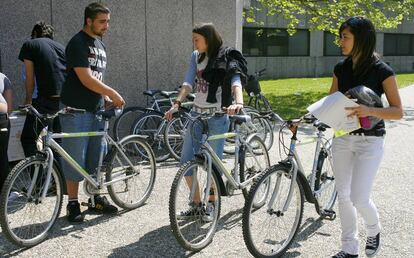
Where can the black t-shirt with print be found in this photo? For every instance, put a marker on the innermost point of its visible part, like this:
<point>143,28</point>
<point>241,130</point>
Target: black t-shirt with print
<point>373,79</point>
<point>83,51</point>
<point>48,57</point>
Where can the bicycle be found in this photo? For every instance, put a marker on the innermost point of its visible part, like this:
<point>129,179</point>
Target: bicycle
<point>31,198</point>
<point>204,188</point>
<point>264,120</point>
<point>161,101</point>
<point>162,135</point>
<point>269,230</point>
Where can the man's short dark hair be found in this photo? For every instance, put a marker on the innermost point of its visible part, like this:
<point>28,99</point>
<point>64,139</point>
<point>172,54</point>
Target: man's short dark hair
<point>42,30</point>
<point>93,9</point>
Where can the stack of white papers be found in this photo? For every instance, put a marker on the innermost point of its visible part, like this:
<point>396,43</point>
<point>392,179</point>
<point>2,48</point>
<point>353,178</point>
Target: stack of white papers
<point>331,111</point>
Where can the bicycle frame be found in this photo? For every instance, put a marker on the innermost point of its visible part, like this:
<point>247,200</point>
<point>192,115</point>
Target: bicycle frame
<point>212,158</point>
<point>296,166</point>
<point>50,143</point>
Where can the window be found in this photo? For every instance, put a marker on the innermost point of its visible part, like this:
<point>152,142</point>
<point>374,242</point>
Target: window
<point>329,46</point>
<point>274,42</point>
<point>398,44</point>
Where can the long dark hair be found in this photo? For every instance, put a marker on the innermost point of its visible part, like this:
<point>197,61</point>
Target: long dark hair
<point>213,39</point>
<point>364,43</point>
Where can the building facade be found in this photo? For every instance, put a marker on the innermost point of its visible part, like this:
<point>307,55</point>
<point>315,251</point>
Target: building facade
<point>148,43</point>
<point>314,53</point>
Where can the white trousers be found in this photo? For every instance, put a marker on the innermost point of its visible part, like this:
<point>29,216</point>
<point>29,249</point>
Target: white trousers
<point>356,160</point>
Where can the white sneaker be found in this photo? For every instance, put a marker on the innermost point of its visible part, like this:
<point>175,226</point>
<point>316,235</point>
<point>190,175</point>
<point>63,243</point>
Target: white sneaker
<point>13,196</point>
<point>209,212</point>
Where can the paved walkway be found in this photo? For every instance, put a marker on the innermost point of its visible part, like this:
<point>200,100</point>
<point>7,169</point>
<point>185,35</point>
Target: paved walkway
<point>145,232</point>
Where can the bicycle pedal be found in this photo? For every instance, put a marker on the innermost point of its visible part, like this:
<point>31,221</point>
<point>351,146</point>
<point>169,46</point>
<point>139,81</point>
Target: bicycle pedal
<point>86,204</point>
<point>328,214</point>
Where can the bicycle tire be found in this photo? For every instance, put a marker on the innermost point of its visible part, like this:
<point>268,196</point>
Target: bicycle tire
<point>184,230</point>
<point>148,125</point>
<point>174,136</point>
<point>258,222</point>
<point>15,202</point>
<point>249,169</point>
<point>324,176</point>
<point>263,128</point>
<point>122,125</point>
<point>133,147</point>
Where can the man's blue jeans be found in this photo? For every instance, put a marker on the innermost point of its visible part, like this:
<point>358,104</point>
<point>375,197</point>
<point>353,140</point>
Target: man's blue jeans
<point>84,150</point>
<point>193,134</point>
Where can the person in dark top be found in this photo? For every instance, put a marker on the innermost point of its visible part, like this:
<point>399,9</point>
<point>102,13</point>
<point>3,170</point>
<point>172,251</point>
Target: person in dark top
<point>44,62</point>
<point>5,108</point>
<point>357,155</point>
<point>84,89</point>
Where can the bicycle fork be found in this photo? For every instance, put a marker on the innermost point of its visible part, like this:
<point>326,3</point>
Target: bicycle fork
<point>49,164</point>
<point>293,173</point>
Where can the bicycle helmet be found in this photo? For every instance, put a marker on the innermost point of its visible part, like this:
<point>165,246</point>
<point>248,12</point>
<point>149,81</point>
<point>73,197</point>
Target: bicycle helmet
<point>369,98</point>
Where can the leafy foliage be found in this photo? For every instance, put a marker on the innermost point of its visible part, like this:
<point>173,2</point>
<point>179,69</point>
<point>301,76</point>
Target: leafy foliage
<point>327,15</point>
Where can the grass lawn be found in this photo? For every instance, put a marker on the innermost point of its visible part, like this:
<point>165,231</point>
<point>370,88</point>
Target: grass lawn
<point>290,97</point>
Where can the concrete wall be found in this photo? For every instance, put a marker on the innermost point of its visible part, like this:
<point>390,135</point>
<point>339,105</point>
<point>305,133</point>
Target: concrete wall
<point>148,43</point>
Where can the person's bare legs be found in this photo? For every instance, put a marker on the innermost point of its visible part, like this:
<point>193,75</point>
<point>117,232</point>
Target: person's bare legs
<point>73,189</point>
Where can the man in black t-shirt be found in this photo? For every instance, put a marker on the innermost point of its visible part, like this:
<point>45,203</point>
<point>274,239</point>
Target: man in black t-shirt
<point>44,62</point>
<point>84,89</point>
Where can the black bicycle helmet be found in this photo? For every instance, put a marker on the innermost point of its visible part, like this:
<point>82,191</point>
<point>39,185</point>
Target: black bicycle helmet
<point>366,96</point>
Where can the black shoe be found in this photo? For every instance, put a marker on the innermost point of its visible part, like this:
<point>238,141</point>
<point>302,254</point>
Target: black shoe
<point>102,205</point>
<point>192,212</point>
<point>73,212</point>
<point>373,245</point>
<point>342,254</point>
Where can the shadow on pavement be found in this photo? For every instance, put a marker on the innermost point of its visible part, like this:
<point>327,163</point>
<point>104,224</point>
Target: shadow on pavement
<point>162,243</point>
<point>61,228</point>
<point>157,243</point>
<point>306,231</point>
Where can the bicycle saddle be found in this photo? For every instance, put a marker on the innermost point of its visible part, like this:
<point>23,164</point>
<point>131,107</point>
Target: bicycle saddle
<point>321,126</point>
<point>168,94</point>
<point>151,93</point>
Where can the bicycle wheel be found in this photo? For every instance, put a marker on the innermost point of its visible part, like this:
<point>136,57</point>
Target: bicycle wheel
<point>325,192</point>
<point>136,180</point>
<point>194,224</point>
<point>174,136</point>
<point>264,130</point>
<point>268,231</point>
<point>262,126</point>
<point>122,125</point>
<point>258,125</point>
<point>149,124</point>
<point>25,218</point>
<point>254,159</point>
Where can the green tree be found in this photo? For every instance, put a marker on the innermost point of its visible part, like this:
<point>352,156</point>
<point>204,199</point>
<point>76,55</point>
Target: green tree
<point>329,14</point>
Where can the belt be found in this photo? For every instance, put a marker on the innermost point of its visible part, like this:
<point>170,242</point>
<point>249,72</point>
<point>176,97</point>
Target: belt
<point>205,110</point>
<point>377,133</point>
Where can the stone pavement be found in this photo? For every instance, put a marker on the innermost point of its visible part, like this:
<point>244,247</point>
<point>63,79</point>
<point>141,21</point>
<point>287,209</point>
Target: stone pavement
<point>145,232</point>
